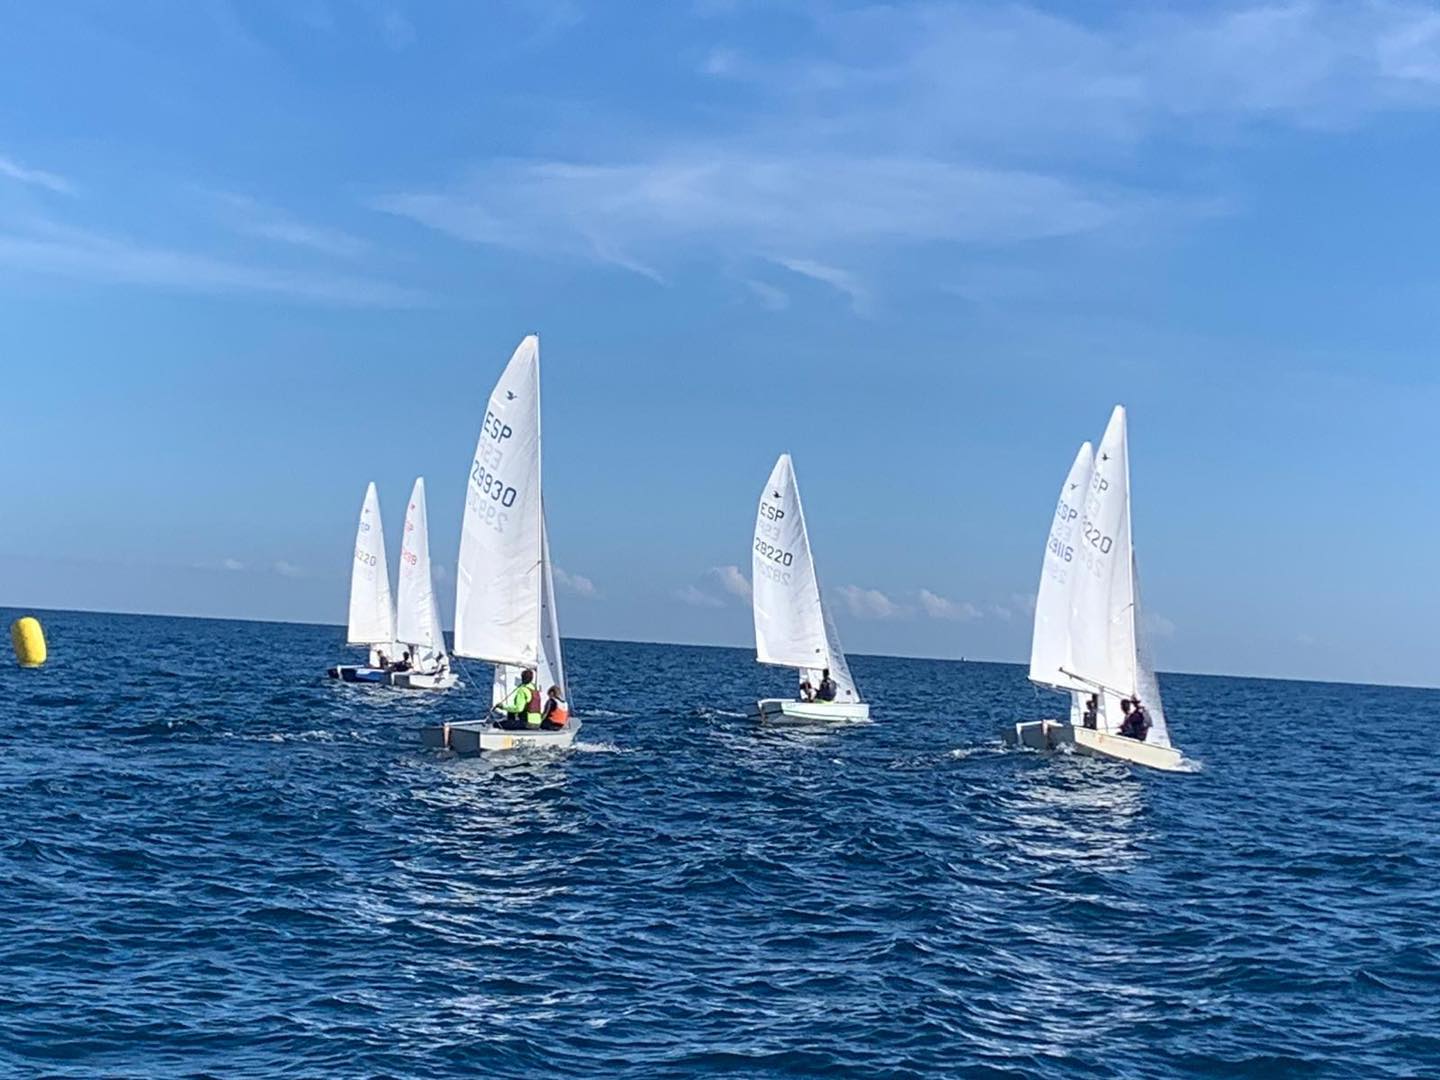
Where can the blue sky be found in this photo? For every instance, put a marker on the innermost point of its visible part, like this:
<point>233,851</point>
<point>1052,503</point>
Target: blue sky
<point>253,255</point>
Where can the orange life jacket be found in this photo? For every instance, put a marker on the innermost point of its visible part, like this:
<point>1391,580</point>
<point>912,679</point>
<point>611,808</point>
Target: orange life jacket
<point>559,714</point>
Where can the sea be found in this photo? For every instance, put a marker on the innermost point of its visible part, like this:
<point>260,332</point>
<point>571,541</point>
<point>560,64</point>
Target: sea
<point>216,862</point>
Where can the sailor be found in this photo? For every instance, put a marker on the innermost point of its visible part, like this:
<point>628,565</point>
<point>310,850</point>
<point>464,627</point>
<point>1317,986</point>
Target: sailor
<point>403,664</point>
<point>1136,724</point>
<point>1091,718</point>
<point>807,691</point>
<point>522,706</point>
<point>557,712</point>
<point>827,689</point>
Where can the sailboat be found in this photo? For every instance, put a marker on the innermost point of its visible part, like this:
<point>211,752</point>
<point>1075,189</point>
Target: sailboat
<point>372,615</point>
<point>1089,635</point>
<point>417,626</point>
<point>792,627</point>
<point>504,584</point>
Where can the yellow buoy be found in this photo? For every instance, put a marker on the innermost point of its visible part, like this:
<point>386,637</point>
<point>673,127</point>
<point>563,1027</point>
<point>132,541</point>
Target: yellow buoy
<point>29,641</point>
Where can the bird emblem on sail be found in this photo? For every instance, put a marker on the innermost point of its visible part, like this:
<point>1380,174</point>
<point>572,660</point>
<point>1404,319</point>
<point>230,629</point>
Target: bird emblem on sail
<point>509,395</point>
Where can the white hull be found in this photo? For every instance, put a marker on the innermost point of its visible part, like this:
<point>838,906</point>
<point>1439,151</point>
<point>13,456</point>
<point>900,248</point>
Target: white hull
<point>414,680</point>
<point>474,736</point>
<point>784,711</point>
<point>1052,734</point>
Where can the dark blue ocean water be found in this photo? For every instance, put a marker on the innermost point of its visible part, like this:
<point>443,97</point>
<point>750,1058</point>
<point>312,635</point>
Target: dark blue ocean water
<point>214,861</point>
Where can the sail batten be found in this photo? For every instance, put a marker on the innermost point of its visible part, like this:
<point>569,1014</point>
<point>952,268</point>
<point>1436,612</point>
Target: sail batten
<point>792,627</point>
<point>372,613</point>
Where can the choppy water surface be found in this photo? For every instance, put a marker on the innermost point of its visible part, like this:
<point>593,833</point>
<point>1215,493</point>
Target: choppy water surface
<point>215,861</point>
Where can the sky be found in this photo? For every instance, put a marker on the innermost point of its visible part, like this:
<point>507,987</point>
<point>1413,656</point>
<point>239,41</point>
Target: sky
<point>254,255</point>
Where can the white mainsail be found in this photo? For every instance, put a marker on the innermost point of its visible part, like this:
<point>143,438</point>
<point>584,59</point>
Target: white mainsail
<point>504,595</point>
<point>1050,644</point>
<point>372,616</point>
<point>1106,650</point>
<point>792,628</point>
<point>418,622</point>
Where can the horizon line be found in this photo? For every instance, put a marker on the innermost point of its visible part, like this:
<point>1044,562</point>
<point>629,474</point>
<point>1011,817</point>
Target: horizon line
<point>711,645</point>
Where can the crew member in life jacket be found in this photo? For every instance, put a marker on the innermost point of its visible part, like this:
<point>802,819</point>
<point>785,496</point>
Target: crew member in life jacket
<point>827,690</point>
<point>522,707</point>
<point>1092,712</point>
<point>557,712</point>
<point>1136,724</point>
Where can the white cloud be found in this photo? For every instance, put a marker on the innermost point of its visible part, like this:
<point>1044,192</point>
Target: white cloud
<point>870,603</point>
<point>1156,625</point>
<point>1023,602</point>
<point>769,296</point>
<point>232,564</point>
<point>253,218</point>
<point>958,127</point>
<point>841,280</point>
<point>733,581</point>
<point>576,583</point>
<point>696,597</point>
<point>938,607</point>
<point>13,170</point>
<point>43,247</point>
<point>748,203</point>
<point>288,569</point>
<point>720,62</point>
<point>396,29</point>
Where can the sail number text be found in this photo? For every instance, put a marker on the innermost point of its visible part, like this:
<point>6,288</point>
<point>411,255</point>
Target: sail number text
<point>494,428</point>
<point>1095,538</point>
<point>773,553</point>
<point>487,482</point>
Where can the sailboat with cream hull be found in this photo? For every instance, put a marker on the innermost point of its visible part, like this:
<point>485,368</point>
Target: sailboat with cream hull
<point>417,624</point>
<point>372,613</point>
<point>505,609</point>
<point>792,627</point>
<point>1089,634</point>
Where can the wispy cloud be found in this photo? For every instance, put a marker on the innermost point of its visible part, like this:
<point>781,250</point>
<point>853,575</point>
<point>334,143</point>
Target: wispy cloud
<point>232,564</point>
<point>743,202</point>
<point>876,129</point>
<point>288,569</point>
<point>1156,625</point>
<point>841,280</point>
<point>578,584</point>
<point>870,603</point>
<point>938,607</point>
<point>251,217</point>
<point>733,581</point>
<point>47,248</point>
<point>397,31</point>
<point>11,169</point>
<point>769,296</point>
<point>696,597</point>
